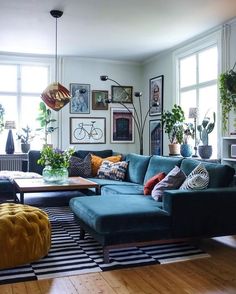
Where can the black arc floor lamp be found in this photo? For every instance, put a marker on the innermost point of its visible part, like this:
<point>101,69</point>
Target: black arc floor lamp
<point>137,115</point>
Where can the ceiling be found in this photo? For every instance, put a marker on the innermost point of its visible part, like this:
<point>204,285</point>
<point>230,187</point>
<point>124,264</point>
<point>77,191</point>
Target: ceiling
<point>129,30</point>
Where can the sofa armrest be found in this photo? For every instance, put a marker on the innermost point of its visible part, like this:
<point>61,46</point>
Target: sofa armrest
<point>209,212</point>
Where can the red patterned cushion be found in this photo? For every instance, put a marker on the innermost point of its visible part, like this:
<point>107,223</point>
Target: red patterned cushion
<point>148,187</point>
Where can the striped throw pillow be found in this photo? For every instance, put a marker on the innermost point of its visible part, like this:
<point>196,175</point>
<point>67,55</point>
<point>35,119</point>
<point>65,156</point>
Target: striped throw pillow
<point>112,170</point>
<point>198,179</point>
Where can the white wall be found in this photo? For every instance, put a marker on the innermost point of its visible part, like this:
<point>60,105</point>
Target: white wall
<point>88,71</point>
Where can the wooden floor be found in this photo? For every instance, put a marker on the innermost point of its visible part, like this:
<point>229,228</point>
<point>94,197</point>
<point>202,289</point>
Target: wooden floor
<point>213,275</point>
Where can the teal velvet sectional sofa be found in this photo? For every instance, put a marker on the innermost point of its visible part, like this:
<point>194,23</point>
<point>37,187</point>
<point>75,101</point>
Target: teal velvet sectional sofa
<point>123,215</point>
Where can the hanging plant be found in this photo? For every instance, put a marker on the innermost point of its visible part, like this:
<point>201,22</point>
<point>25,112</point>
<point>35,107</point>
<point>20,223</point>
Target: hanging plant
<point>227,86</point>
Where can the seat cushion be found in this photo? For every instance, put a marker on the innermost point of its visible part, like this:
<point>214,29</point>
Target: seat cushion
<point>122,189</point>
<point>120,213</point>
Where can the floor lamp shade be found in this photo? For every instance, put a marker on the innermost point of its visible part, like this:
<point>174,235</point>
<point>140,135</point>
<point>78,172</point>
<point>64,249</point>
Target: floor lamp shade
<point>10,147</point>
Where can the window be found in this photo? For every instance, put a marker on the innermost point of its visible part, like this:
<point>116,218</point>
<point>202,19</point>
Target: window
<point>197,75</point>
<point>20,89</point>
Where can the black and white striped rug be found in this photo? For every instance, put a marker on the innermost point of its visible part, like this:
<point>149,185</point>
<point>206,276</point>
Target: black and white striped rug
<point>71,256</point>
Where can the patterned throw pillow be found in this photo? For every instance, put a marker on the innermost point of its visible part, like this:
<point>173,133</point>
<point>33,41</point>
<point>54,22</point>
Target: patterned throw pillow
<point>80,167</point>
<point>150,184</point>
<point>97,161</point>
<point>173,180</point>
<point>112,171</point>
<point>198,179</point>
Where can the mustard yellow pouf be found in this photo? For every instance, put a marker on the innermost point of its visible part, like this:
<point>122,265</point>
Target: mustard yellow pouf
<point>25,234</point>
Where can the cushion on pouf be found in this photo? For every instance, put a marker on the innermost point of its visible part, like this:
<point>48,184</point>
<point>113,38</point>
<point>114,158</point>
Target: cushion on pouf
<point>25,234</point>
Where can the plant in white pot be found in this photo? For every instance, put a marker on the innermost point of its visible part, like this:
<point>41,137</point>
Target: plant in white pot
<point>172,122</point>
<point>207,126</point>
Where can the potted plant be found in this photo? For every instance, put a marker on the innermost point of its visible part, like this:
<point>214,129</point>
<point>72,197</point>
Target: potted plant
<point>2,112</point>
<point>26,137</point>
<point>207,126</point>
<point>188,133</point>
<point>227,86</point>
<point>172,123</point>
<point>45,119</point>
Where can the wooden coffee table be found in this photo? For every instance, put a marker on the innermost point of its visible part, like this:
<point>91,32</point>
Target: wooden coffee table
<point>38,185</point>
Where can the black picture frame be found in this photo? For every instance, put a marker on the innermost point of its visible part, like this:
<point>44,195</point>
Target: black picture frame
<point>99,100</point>
<point>155,137</point>
<point>156,89</point>
<point>122,94</point>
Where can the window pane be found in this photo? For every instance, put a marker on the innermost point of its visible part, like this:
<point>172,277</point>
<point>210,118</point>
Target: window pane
<point>208,65</point>
<point>8,78</point>
<point>9,103</point>
<point>187,100</point>
<point>30,105</point>
<point>208,104</point>
<point>188,75</point>
<point>34,78</point>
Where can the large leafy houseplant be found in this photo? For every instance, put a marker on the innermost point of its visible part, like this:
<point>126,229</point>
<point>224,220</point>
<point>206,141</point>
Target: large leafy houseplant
<point>227,86</point>
<point>45,119</point>
<point>172,122</point>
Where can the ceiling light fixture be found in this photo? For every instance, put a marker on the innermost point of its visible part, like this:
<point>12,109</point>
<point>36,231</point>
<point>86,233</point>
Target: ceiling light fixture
<point>55,95</point>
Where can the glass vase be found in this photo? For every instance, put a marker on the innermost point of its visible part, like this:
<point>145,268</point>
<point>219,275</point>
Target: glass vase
<point>55,175</point>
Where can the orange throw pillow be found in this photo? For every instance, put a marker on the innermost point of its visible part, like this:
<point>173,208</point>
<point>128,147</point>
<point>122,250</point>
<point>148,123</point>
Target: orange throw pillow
<point>148,187</point>
<point>96,162</point>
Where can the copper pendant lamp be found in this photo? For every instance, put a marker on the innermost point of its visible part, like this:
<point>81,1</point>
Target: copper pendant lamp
<point>56,96</point>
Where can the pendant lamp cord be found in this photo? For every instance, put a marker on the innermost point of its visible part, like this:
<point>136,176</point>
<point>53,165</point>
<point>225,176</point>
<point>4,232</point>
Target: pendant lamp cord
<point>56,54</point>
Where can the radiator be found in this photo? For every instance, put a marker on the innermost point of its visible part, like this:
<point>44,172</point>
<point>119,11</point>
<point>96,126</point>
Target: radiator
<point>12,162</point>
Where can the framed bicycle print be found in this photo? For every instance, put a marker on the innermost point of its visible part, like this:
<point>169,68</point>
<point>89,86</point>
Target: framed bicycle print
<point>122,125</point>
<point>80,98</point>
<point>122,94</point>
<point>156,95</point>
<point>156,137</point>
<point>87,130</point>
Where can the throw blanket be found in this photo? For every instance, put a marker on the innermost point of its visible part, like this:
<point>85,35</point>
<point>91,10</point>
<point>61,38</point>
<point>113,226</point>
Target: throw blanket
<point>11,175</point>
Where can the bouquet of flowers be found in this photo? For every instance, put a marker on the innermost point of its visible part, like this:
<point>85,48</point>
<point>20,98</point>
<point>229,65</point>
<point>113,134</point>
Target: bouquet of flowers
<point>55,158</point>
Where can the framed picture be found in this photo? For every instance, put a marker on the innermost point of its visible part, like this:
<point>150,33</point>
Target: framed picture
<point>156,95</point>
<point>80,101</point>
<point>156,137</point>
<point>122,125</point>
<point>87,130</point>
<point>122,94</point>
<point>99,98</point>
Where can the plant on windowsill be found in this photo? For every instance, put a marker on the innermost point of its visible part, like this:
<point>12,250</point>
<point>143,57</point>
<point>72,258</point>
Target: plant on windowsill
<point>45,119</point>
<point>172,122</point>
<point>188,134</point>
<point>56,164</point>
<point>207,126</point>
<point>26,137</point>
<point>2,112</point>
<point>227,86</point>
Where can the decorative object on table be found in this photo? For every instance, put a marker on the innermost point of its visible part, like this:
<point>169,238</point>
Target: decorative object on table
<point>136,112</point>
<point>55,95</point>
<point>172,123</point>
<point>56,164</point>
<point>156,137</point>
<point>193,113</point>
<point>156,95</point>
<point>122,125</point>
<point>205,150</point>
<point>227,86</point>
<point>80,101</point>
<point>45,119</point>
<point>186,147</point>
<point>121,94</point>
<point>87,130</point>
<point>2,112</point>
<point>10,147</point>
<point>26,137</point>
<point>99,98</point>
